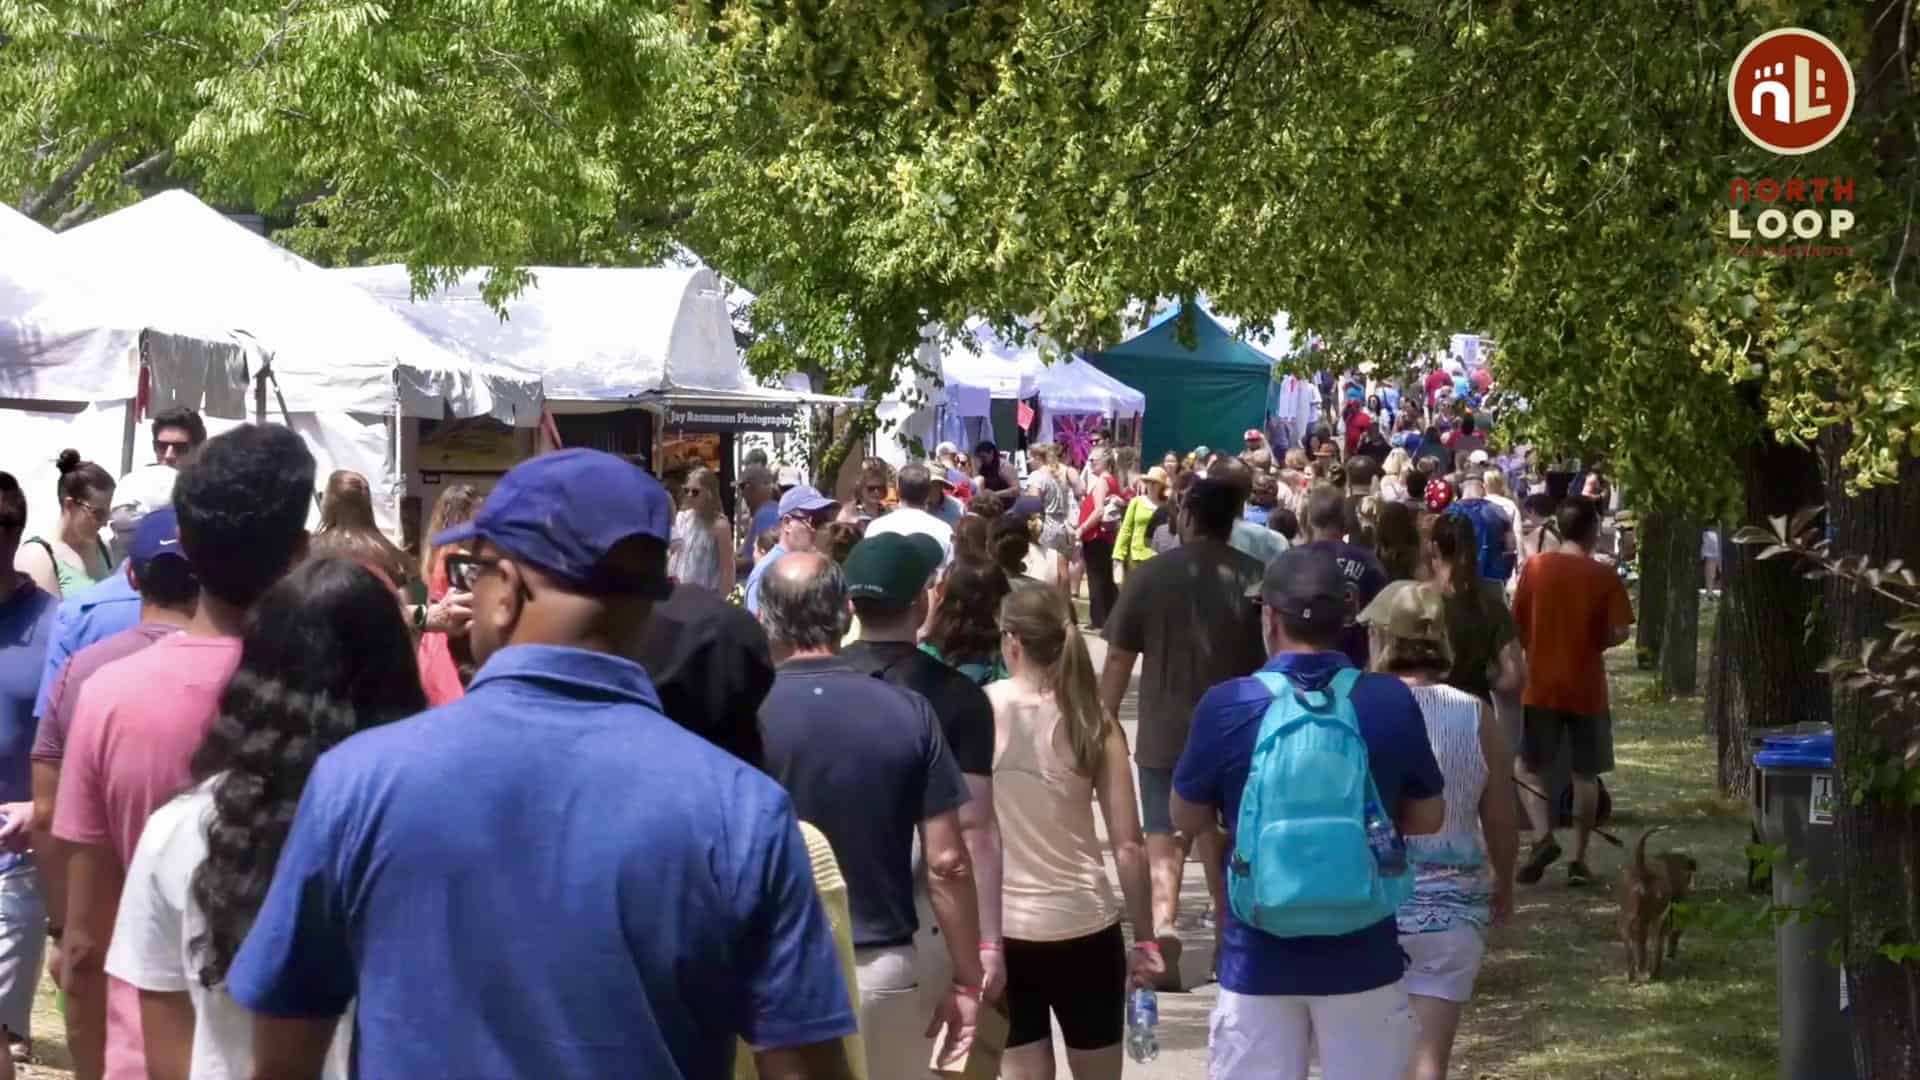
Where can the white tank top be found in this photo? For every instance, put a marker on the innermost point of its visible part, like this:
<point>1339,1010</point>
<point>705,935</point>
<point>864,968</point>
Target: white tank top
<point>1453,885</point>
<point>1054,883</point>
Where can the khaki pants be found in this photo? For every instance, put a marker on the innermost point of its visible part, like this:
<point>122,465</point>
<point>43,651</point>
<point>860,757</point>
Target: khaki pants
<point>893,1023</point>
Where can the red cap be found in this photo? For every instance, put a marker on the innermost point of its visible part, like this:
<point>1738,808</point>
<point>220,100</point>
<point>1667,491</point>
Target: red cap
<point>1252,435</point>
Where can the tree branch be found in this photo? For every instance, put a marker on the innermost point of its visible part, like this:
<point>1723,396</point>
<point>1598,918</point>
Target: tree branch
<point>61,188</point>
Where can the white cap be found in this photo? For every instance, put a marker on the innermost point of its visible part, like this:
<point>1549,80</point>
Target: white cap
<point>789,476</point>
<point>1478,457</point>
<point>138,494</point>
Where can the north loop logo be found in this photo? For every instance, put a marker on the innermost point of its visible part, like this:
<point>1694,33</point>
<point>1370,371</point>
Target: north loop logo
<point>1791,91</point>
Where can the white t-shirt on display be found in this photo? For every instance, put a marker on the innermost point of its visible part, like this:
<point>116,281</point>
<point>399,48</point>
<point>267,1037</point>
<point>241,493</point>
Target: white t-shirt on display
<point>153,935</point>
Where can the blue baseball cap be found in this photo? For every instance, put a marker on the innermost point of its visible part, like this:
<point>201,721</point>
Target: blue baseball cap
<point>804,499</point>
<point>157,537</point>
<point>564,511</point>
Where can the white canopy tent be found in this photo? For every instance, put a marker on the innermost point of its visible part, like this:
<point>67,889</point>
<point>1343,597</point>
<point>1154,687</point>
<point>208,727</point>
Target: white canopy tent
<point>344,368</point>
<point>1073,386</point>
<point>71,355</point>
<point>331,347</point>
<point>606,335</point>
<point>980,367</point>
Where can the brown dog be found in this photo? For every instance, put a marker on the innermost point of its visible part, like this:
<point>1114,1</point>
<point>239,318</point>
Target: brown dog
<point>1647,892</point>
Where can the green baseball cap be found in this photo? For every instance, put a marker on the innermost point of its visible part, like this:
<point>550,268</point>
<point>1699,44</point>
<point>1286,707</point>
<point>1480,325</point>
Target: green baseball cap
<point>892,568</point>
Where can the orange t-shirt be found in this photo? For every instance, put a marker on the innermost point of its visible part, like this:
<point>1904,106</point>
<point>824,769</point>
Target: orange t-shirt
<point>1567,606</point>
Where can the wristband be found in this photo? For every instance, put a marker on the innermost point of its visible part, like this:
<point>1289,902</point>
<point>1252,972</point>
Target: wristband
<point>1152,947</point>
<point>967,991</point>
<point>991,946</point>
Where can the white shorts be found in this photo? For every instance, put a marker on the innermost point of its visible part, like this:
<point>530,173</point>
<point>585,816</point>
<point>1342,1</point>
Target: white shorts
<point>1359,1036</point>
<point>1443,964</point>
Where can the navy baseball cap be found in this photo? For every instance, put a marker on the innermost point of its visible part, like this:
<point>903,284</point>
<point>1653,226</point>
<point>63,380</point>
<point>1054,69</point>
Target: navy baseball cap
<point>157,537</point>
<point>803,499</point>
<point>564,511</point>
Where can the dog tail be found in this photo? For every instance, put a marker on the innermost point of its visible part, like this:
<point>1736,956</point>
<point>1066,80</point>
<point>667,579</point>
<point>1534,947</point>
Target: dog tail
<point>1640,852</point>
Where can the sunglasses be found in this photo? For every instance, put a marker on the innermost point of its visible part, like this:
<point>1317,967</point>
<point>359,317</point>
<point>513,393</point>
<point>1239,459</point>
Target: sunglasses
<point>100,513</point>
<point>163,446</point>
<point>464,570</point>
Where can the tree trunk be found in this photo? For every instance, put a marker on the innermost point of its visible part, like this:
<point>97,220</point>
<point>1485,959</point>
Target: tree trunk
<point>1769,679</point>
<point>1651,621</point>
<point>1680,639</point>
<point>1879,837</point>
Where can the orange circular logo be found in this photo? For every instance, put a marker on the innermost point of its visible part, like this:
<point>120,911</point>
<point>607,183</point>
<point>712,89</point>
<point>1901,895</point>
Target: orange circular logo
<point>1791,91</point>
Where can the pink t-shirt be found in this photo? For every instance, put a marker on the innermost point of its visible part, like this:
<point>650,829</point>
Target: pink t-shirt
<point>134,732</point>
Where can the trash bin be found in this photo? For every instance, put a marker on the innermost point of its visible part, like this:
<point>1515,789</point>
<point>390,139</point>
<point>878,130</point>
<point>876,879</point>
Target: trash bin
<point>1797,804</point>
<point>1757,740</point>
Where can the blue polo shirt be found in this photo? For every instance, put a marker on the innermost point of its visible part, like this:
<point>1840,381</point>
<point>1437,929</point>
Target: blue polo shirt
<point>759,571</point>
<point>95,614</point>
<point>1213,772</point>
<point>27,619</point>
<point>546,878</point>
<point>767,517</point>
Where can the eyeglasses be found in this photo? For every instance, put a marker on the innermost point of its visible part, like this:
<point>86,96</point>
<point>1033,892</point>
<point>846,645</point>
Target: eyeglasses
<point>464,570</point>
<point>100,513</point>
<point>165,448</point>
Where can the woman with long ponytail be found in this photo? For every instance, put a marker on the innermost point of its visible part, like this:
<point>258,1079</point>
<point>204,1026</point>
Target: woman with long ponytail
<point>1055,753</point>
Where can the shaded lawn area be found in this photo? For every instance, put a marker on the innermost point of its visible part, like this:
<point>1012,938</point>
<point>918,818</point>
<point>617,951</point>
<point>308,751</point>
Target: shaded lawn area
<point>1553,1001</point>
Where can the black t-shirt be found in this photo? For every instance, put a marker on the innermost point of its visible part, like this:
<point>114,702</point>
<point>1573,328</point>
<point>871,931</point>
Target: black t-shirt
<point>1189,613</point>
<point>710,663</point>
<point>965,714</point>
<point>865,763</point>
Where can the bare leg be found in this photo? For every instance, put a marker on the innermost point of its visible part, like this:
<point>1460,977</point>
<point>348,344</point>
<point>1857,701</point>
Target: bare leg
<point>1034,1061</point>
<point>1586,807</point>
<point>1433,1047</point>
<point>1535,800</point>
<point>1102,1064</point>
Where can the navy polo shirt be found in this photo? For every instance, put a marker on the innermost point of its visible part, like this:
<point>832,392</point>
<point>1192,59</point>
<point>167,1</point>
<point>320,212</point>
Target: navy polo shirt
<point>1213,772</point>
<point>866,763</point>
<point>546,878</point>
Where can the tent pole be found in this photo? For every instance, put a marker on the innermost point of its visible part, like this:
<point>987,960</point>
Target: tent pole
<point>141,372</point>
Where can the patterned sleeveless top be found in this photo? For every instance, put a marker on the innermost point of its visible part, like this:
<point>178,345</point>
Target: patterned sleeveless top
<point>692,556</point>
<point>1453,884</point>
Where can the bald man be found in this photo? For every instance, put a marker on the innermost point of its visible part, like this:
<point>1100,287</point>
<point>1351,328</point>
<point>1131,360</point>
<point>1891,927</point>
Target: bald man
<point>866,763</point>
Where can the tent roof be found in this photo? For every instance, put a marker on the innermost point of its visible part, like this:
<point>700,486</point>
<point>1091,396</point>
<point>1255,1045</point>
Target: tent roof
<point>1213,345</point>
<point>980,361</point>
<point>65,338</point>
<point>1075,386</point>
<point>592,334</point>
<point>331,346</point>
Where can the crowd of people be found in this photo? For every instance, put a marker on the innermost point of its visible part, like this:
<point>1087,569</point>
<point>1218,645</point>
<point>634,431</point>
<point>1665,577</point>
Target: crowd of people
<point>280,803</point>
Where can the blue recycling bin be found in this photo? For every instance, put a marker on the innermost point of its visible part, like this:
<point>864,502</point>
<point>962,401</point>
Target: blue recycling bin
<point>1797,803</point>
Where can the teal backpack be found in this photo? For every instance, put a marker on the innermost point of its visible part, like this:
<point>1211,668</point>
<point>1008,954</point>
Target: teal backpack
<point>1301,863</point>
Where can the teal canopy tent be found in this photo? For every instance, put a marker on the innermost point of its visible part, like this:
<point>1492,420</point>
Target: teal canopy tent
<point>1207,395</point>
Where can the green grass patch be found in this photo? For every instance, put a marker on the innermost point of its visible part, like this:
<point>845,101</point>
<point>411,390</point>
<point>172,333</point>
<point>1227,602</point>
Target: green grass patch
<point>1553,999</point>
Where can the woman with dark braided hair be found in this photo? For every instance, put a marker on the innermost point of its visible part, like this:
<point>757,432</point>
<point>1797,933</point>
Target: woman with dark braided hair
<point>326,655</point>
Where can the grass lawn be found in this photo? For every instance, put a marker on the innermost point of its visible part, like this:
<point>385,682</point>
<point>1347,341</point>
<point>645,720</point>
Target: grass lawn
<point>1553,1000</point>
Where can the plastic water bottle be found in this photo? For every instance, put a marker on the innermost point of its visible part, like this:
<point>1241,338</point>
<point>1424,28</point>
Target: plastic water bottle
<point>1389,850</point>
<point>1143,1015</point>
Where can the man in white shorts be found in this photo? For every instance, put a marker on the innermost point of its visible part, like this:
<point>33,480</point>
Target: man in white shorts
<point>1280,997</point>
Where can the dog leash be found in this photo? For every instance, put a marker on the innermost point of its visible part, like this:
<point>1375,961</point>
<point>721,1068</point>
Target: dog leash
<point>1596,830</point>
